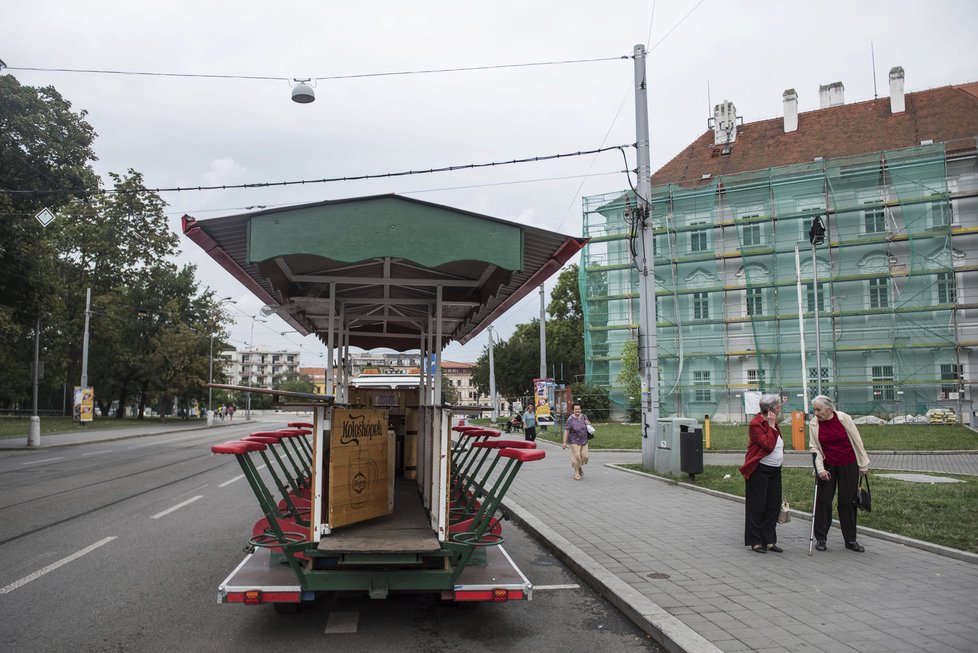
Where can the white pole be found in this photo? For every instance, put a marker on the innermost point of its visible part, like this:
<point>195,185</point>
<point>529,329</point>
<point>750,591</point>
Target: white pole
<point>88,313</point>
<point>34,428</point>
<point>801,331</point>
<point>329,341</point>
<point>492,381</point>
<point>645,262</point>
<point>818,339</point>
<point>543,335</point>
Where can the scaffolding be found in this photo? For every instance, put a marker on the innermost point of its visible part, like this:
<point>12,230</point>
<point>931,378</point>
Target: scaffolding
<point>889,285</point>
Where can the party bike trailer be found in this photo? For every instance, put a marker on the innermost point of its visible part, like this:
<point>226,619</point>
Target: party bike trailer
<point>379,493</point>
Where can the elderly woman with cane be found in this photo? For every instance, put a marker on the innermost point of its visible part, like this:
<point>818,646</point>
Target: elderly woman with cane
<point>762,473</point>
<point>840,459</point>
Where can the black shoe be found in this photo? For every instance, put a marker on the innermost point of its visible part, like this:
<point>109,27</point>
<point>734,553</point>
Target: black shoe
<point>774,548</point>
<point>820,545</point>
<point>757,548</point>
<point>855,546</point>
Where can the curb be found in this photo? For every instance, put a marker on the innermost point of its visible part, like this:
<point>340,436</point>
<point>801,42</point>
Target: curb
<point>948,552</point>
<point>110,439</point>
<point>668,631</point>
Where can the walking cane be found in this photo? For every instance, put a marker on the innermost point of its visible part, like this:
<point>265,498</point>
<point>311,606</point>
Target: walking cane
<point>811,538</point>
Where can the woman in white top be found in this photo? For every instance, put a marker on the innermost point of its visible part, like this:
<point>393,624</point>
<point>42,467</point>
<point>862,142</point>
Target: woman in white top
<point>762,473</point>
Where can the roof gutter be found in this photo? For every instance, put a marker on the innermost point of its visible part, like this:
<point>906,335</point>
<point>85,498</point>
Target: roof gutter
<point>216,252</point>
<point>569,248</point>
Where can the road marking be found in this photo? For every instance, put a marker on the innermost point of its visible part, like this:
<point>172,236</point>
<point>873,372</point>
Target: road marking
<point>342,622</point>
<point>177,507</point>
<point>95,453</point>
<point>261,467</point>
<point>37,574</point>
<point>46,460</point>
<point>227,483</point>
<point>539,588</point>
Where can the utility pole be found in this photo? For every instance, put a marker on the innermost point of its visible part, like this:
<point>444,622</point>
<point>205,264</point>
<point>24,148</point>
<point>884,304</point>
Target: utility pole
<point>34,429</point>
<point>645,262</point>
<point>543,335</point>
<point>492,381</point>
<point>84,371</point>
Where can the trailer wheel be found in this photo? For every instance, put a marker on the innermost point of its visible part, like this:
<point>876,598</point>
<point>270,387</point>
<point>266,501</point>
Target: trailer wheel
<point>287,608</point>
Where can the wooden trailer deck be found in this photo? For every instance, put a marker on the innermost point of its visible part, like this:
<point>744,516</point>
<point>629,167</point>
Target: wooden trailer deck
<point>408,530</point>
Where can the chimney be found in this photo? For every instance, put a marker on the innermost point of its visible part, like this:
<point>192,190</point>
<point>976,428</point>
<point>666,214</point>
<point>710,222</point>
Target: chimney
<point>831,95</point>
<point>724,123</point>
<point>897,103</point>
<point>790,110</point>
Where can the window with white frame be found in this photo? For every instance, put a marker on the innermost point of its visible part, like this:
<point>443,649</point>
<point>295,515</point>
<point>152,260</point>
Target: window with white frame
<point>698,240</point>
<point>755,301</point>
<point>946,290</point>
<point>750,235</point>
<point>874,218</point>
<point>810,289</point>
<point>701,306</point>
<point>701,383</point>
<point>883,383</point>
<point>879,294</point>
<point>955,374</point>
<point>755,379</point>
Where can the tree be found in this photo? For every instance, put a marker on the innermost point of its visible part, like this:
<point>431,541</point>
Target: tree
<point>297,384</point>
<point>629,379</point>
<point>45,161</point>
<point>594,400</point>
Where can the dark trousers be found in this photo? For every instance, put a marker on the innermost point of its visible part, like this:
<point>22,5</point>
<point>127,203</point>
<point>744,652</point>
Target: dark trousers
<point>763,503</point>
<point>846,478</point>
<point>530,433</point>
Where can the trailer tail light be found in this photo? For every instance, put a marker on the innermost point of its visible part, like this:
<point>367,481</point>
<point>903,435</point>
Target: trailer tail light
<point>500,595</point>
<point>252,597</point>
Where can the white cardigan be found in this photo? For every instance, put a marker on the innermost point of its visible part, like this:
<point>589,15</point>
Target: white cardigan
<point>862,458</point>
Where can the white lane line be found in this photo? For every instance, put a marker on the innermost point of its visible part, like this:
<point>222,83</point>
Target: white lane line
<point>95,453</point>
<point>37,574</point>
<point>539,588</point>
<point>261,467</point>
<point>177,507</point>
<point>227,483</point>
<point>342,622</point>
<point>46,460</point>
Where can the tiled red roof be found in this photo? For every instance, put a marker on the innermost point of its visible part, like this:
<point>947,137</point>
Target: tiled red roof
<point>941,114</point>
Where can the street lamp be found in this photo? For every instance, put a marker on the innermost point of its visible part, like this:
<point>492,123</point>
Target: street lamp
<point>816,236</point>
<point>251,343</point>
<point>210,371</point>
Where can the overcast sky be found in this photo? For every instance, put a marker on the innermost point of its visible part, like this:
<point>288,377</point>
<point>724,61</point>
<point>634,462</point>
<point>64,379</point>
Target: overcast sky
<point>190,131</point>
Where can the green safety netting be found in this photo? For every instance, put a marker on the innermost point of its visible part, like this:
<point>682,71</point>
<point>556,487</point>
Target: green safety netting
<point>727,289</point>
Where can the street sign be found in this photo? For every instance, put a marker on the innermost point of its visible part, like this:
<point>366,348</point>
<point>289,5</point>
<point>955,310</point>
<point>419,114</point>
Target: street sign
<point>45,216</point>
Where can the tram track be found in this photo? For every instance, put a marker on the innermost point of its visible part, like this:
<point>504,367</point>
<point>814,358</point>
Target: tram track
<point>109,504</point>
<point>88,486</point>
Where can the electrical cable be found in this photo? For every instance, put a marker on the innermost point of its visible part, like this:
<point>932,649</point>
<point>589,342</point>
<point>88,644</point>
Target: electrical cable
<point>326,180</point>
<point>429,71</point>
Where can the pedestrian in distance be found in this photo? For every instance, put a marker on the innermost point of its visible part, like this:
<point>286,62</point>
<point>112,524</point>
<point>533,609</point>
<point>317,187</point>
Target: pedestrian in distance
<point>840,459</point>
<point>575,435</point>
<point>231,410</point>
<point>529,425</point>
<point>762,474</point>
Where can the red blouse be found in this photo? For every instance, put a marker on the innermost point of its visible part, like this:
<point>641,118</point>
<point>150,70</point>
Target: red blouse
<point>835,443</point>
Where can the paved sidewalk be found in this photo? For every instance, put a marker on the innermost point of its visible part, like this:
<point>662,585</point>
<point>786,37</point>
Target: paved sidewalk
<point>673,560</point>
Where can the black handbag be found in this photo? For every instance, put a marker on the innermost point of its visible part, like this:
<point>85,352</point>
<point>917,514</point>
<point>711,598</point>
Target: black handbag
<point>864,499</point>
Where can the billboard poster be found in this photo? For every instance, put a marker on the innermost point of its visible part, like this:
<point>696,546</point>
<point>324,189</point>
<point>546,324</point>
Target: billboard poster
<point>541,397</point>
<point>83,404</point>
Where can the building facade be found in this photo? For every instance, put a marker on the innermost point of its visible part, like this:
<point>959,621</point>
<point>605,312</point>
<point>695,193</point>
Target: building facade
<point>893,181</point>
<point>260,366</point>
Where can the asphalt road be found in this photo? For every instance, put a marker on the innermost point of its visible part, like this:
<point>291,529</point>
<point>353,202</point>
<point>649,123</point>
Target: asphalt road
<point>120,546</point>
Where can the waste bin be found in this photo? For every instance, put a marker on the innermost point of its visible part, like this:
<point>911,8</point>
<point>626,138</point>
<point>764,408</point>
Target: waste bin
<point>691,450</point>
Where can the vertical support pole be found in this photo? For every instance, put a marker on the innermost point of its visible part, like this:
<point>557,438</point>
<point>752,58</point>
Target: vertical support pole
<point>492,381</point>
<point>329,341</point>
<point>438,340</point>
<point>818,339</point>
<point>88,314</point>
<point>645,262</point>
<point>34,429</point>
<point>801,330</point>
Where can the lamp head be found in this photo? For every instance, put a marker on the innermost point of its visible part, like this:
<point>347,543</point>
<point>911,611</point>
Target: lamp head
<point>816,235</point>
<point>302,92</point>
